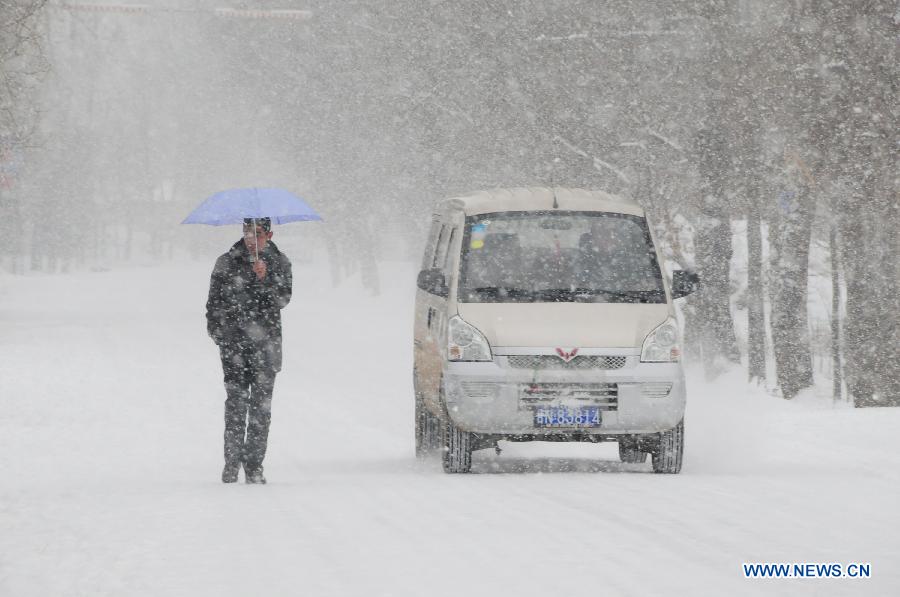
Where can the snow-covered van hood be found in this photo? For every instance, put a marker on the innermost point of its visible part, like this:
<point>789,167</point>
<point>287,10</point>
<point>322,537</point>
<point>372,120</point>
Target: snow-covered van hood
<point>582,325</point>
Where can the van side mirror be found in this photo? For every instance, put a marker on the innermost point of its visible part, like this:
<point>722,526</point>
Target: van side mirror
<point>433,282</point>
<point>684,283</point>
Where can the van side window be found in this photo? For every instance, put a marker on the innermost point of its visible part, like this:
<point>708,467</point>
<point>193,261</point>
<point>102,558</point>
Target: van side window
<point>446,262</point>
<point>431,244</point>
<point>441,252</point>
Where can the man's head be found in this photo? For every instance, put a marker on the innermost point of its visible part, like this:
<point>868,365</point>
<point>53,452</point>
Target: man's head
<point>256,238</point>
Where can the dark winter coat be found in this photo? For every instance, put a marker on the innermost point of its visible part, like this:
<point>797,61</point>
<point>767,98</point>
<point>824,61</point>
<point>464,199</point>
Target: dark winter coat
<point>244,313</point>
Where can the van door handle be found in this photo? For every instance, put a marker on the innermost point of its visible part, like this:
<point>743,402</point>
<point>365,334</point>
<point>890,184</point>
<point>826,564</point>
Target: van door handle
<point>431,314</point>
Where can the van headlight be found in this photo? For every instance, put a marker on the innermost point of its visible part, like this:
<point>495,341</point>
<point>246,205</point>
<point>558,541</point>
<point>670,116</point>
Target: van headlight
<point>465,342</point>
<point>662,345</point>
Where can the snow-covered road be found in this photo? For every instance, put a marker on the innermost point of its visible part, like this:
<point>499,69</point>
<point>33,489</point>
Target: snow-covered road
<point>110,454</point>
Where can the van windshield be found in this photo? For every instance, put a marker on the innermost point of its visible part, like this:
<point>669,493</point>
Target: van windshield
<point>558,256</point>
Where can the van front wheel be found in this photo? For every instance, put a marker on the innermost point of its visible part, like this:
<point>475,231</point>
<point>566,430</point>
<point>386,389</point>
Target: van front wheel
<point>457,448</point>
<point>667,454</point>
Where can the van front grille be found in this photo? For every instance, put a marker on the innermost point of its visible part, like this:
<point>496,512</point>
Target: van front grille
<point>604,395</point>
<point>549,361</point>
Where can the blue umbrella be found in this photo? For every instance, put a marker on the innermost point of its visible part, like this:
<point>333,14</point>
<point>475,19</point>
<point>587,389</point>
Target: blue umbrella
<point>234,205</point>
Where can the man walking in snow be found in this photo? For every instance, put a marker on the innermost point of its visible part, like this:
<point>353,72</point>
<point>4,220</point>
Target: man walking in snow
<point>249,287</point>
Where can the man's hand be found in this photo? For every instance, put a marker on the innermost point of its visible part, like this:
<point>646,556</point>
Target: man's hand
<point>259,266</point>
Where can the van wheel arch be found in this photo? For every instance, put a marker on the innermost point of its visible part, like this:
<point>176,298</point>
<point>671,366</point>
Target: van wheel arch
<point>427,425</point>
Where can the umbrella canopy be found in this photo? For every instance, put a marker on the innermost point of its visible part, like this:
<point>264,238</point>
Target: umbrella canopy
<point>234,205</point>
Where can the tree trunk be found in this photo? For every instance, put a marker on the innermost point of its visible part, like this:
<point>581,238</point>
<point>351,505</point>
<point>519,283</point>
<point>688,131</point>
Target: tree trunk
<point>860,326</point>
<point>756,326</point>
<point>790,328</point>
<point>871,338</point>
<point>891,372</point>
<point>713,254</point>
<point>837,382</point>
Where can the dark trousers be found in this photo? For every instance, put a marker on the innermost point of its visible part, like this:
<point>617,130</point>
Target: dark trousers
<point>249,381</point>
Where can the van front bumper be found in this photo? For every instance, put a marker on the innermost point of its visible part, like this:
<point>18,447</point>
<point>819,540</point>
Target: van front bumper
<point>493,398</point>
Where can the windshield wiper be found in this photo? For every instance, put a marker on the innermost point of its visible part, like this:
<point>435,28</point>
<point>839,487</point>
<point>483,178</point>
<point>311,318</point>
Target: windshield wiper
<point>628,294</point>
<point>502,291</point>
<point>560,295</point>
<point>574,294</point>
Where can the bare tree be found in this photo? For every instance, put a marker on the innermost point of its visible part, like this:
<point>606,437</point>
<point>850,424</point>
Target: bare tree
<point>21,66</point>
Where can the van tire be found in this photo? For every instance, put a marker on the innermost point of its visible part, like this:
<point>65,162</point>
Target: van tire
<point>428,430</point>
<point>457,457</point>
<point>668,453</point>
<point>629,452</point>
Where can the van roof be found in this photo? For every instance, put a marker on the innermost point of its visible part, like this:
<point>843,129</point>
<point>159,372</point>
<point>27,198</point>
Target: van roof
<point>541,199</point>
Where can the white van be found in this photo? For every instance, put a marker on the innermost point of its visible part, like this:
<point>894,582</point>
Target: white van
<point>543,314</point>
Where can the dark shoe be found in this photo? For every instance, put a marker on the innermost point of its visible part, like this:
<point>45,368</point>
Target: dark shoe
<point>230,473</point>
<point>255,476</point>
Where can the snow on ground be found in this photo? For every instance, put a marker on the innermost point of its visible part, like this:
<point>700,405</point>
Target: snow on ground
<point>110,452</point>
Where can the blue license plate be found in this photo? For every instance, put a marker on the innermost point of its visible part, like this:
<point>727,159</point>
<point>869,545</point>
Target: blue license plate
<point>562,416</point>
